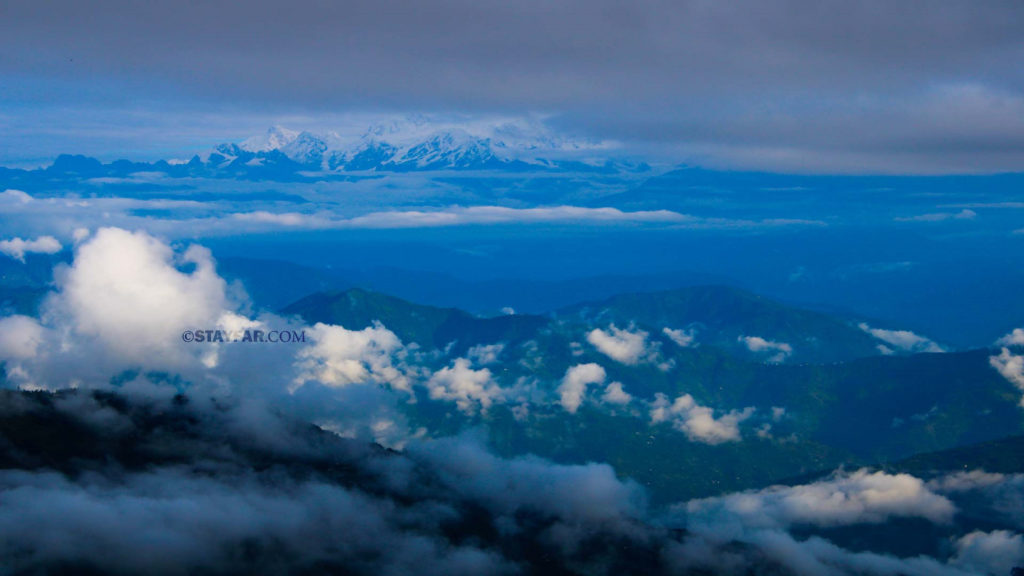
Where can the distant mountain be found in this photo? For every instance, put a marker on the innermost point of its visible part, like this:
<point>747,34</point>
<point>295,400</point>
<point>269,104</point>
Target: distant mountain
<point>1003,456</point>
<point>400,146</point>
<point>722,316</point>
<point>718,316</point>
<point>407,147</point>
<point>425,325</point>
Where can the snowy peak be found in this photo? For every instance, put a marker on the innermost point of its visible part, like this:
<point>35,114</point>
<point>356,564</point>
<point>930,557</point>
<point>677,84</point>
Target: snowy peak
<point>276,138</point>
<point>414,143</point>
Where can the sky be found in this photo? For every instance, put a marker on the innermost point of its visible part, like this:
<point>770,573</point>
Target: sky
<point>828,87</point>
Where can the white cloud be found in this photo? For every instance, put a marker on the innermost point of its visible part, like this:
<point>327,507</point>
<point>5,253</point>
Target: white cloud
<point>682,338</point>
<point>484,354</point>
<point>699,422</point>
<point>761,520</point>
<point>965,481</point>
<point>475,215</point>
<point>15,197</point>
<point>779,350</point>
<point>20,337</point>
<point>1011,367</point>
<point>468,388</point>
<point>778,413</point>
<point>577,493</point>
<point>614,394</point>
<point>845,499</point>
<point>17,248</point>
<point>965,214</point>
<point>993,553</point>
<point>902,339</point>
<point>459,216</point>
<point>342,357</point>
<point>1015,338</point>
<point>625,346</point>
<point>574,384</point>
<point>126,291</point>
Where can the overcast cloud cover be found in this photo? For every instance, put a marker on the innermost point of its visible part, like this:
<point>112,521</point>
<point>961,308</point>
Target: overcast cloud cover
<point>783,85</point>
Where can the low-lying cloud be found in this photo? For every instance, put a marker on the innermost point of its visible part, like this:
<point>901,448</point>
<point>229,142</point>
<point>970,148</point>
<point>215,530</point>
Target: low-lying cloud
<point>17,247</point>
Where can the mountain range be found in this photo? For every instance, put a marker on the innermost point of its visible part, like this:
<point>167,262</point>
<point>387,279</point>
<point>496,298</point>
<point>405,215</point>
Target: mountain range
<point>399,147</point>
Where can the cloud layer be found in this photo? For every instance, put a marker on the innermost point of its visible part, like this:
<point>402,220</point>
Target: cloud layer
<point>764,85</point>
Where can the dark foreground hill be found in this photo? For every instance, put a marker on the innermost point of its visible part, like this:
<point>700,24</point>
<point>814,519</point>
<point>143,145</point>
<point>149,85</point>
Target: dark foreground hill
<point>97,483</point>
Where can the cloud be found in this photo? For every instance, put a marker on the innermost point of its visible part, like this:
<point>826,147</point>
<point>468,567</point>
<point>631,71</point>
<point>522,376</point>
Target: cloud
<point>757,344</point>
<point>460,216</point>
<point>904,340</point>
<point>484,354</point>
<point>467,387</point>
<point>20,337</point>
<point>229,487</point>
<point>1015,338</point>
<point>12,197</point>
<point>963,481</point>
<point>614,394</point>
<point>932,92</point>
<point>574,384</point>
<point>989,552</point>
<point>761,521</point>
<point>1011,367</point>
<point>17,248</point>
<point>861,497</point>
<point>340,357</point>
<point>682,338</point>
<point>622,345</point>
<point>698,422</point>
<point>169,521</point>
<point>965,214</point>
<point>576,493</point>
<point>126,291</point>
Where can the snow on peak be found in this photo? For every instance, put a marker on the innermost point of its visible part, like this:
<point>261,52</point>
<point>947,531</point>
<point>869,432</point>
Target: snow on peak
<point>276,138</point>
<point>419,142</point>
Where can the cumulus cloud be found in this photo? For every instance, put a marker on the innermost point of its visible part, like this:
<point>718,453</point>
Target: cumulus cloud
<point>484,354</point>
<point>1015,338</point>
<point>779,350</point>
<point>13,197</point>
<point>17,248</point>
<point>622,345</point>
<point>990,553</point>
<point>762,521</point>
<point>904,340</point>
<point>574,384</point>
<point>698,422</point>
<point>467,387</point>
<point>862,497</point>
<point>614,394</point>
<point>682,338</point>
<point>128,291</point>
<point>340,357</point>
<point>20,337</point>
<point>1011,367</point>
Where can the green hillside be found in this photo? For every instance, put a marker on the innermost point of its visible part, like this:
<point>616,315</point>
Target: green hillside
<point>425,325</point>
<point>721,314</point>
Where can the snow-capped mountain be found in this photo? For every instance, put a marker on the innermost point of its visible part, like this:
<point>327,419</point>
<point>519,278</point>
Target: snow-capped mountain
<point>416,144</point>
